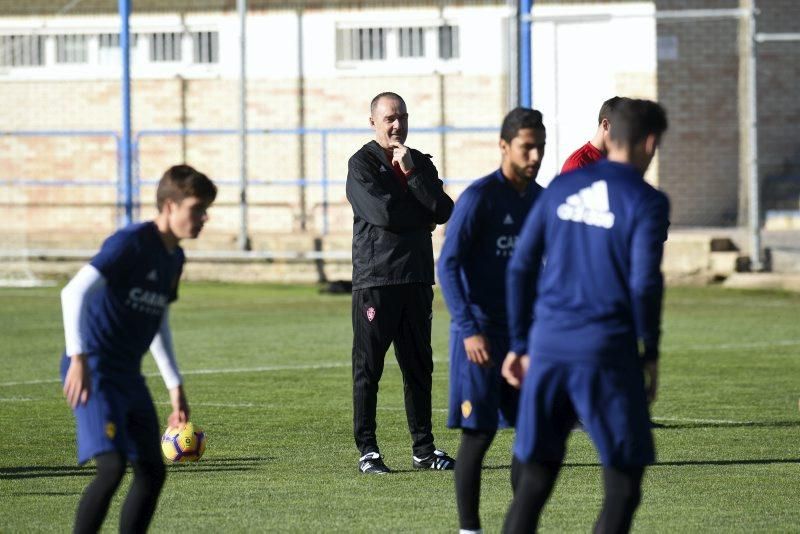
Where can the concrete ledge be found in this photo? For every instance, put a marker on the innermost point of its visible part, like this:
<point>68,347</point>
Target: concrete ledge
<point>691,257</point>
<point>699,255</point>
<point>687,253</point>
<point>783,281</point>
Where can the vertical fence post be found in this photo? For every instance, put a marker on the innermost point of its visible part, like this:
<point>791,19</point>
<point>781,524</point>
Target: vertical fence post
<point>136,179</point>
<point>525,7</point>
<point>118,211</point>
<point>244,234</point>
<point>754,218</point>
<point>324,179</point>
<point>125,142</point>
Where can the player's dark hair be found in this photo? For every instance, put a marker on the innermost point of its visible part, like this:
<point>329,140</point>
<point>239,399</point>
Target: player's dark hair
<point>633,120</point>
<point>520,119</point>
<point>608,107</point>
<point>386,94</point>
<point>182,181</point>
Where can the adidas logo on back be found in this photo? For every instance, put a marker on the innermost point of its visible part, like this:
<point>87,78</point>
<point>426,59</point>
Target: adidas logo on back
<point>588,206</point>
<point>508,219</point>
<point>152,276</point>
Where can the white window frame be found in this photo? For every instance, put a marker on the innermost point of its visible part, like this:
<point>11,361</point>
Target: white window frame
<point>38,51</point>
<point>72,48</point>
<point>205,44</point>
<point>454,44</point>
<point>395,59</point>
<point>165,47</point>
<point>411,41</point>
<point>95,63</point>
<point>353,44</point>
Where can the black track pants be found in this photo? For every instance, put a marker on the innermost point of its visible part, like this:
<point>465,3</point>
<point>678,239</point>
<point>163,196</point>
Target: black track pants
<point>399,314</point>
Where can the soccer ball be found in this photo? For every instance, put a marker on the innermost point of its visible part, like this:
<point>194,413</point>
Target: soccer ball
<point>185,444</point>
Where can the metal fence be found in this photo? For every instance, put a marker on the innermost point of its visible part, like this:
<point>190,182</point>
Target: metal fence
<point>312,72</point>
<point>45,209</point>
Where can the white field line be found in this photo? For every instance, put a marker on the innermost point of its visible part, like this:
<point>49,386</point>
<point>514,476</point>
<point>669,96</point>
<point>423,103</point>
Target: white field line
<point>261,369</point>
<point>265,406</point>
<point>703,421</point>
<point>230,405</point>
<point>737,346</point>
<point>402,409</point>
<point>223,371</point>
<point>733,302</point>
<point>341,364</point>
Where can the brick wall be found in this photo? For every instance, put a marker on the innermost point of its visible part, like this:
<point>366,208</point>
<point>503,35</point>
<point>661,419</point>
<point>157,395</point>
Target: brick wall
<point>778,83</point>
<point>81,216</point>
<point>699,159</point>
<point>704,158</point>
<point>702,164</point>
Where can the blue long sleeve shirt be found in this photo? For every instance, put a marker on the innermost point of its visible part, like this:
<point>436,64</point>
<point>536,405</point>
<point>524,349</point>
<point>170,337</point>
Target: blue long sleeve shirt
<point>479,241</point>
<point>585,282</point>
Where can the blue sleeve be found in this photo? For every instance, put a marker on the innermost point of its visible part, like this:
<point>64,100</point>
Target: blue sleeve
<point>116,256</point>
<point>646,280</point>
<point>522,276</point>
<point>459,237</point>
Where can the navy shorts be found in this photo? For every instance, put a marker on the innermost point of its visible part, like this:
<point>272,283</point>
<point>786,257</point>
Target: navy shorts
<point>480,399</point>
<point>610,401</point>
<point>119,416</point>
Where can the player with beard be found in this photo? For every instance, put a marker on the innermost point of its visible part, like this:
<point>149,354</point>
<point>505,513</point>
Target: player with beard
<point>479,242</point>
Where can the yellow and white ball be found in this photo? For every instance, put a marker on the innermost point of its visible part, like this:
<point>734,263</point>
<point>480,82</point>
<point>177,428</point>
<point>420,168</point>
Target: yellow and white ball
<point>186,444</point>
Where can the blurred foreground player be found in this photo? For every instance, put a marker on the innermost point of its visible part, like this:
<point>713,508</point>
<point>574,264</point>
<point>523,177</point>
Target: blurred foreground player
<point>584,291</point>
<point>472,268</point>
<point>114,309</point>
<point>397,199</point>
<point>597,147</point>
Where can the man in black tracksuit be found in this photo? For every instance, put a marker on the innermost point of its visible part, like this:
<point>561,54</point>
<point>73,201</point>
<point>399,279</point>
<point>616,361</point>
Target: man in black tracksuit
<point>397,201</point>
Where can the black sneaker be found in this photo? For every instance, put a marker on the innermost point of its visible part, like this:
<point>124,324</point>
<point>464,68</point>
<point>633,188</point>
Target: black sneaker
<point>372,464</point>
<point>438,460</point>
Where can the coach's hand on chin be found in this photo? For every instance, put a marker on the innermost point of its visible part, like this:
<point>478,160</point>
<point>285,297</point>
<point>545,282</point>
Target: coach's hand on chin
<point>77,383</point>
<point>180,407</point>
<point>401,156</point>
<point>515,367</point>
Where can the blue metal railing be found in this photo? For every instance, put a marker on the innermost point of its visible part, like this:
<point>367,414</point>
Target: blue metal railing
<point>118,180</point>
<point>324,180</point>
<point>128,197</point>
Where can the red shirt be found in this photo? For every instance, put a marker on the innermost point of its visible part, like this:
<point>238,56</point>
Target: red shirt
<point>401,176</point>
<point>585,155</point>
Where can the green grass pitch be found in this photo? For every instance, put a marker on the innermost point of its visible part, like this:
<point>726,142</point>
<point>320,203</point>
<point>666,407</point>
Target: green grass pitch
<point>267,374</point>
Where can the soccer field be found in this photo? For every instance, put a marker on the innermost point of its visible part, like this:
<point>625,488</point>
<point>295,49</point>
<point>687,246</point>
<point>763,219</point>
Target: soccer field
<point>267,371</point>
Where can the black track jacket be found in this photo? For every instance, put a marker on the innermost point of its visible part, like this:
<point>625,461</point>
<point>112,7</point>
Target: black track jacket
<point>392,226</point>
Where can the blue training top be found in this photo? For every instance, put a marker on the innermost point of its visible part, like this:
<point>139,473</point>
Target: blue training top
<point>585,281</point>
<point>142,279</point>
<point>479,241</point>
